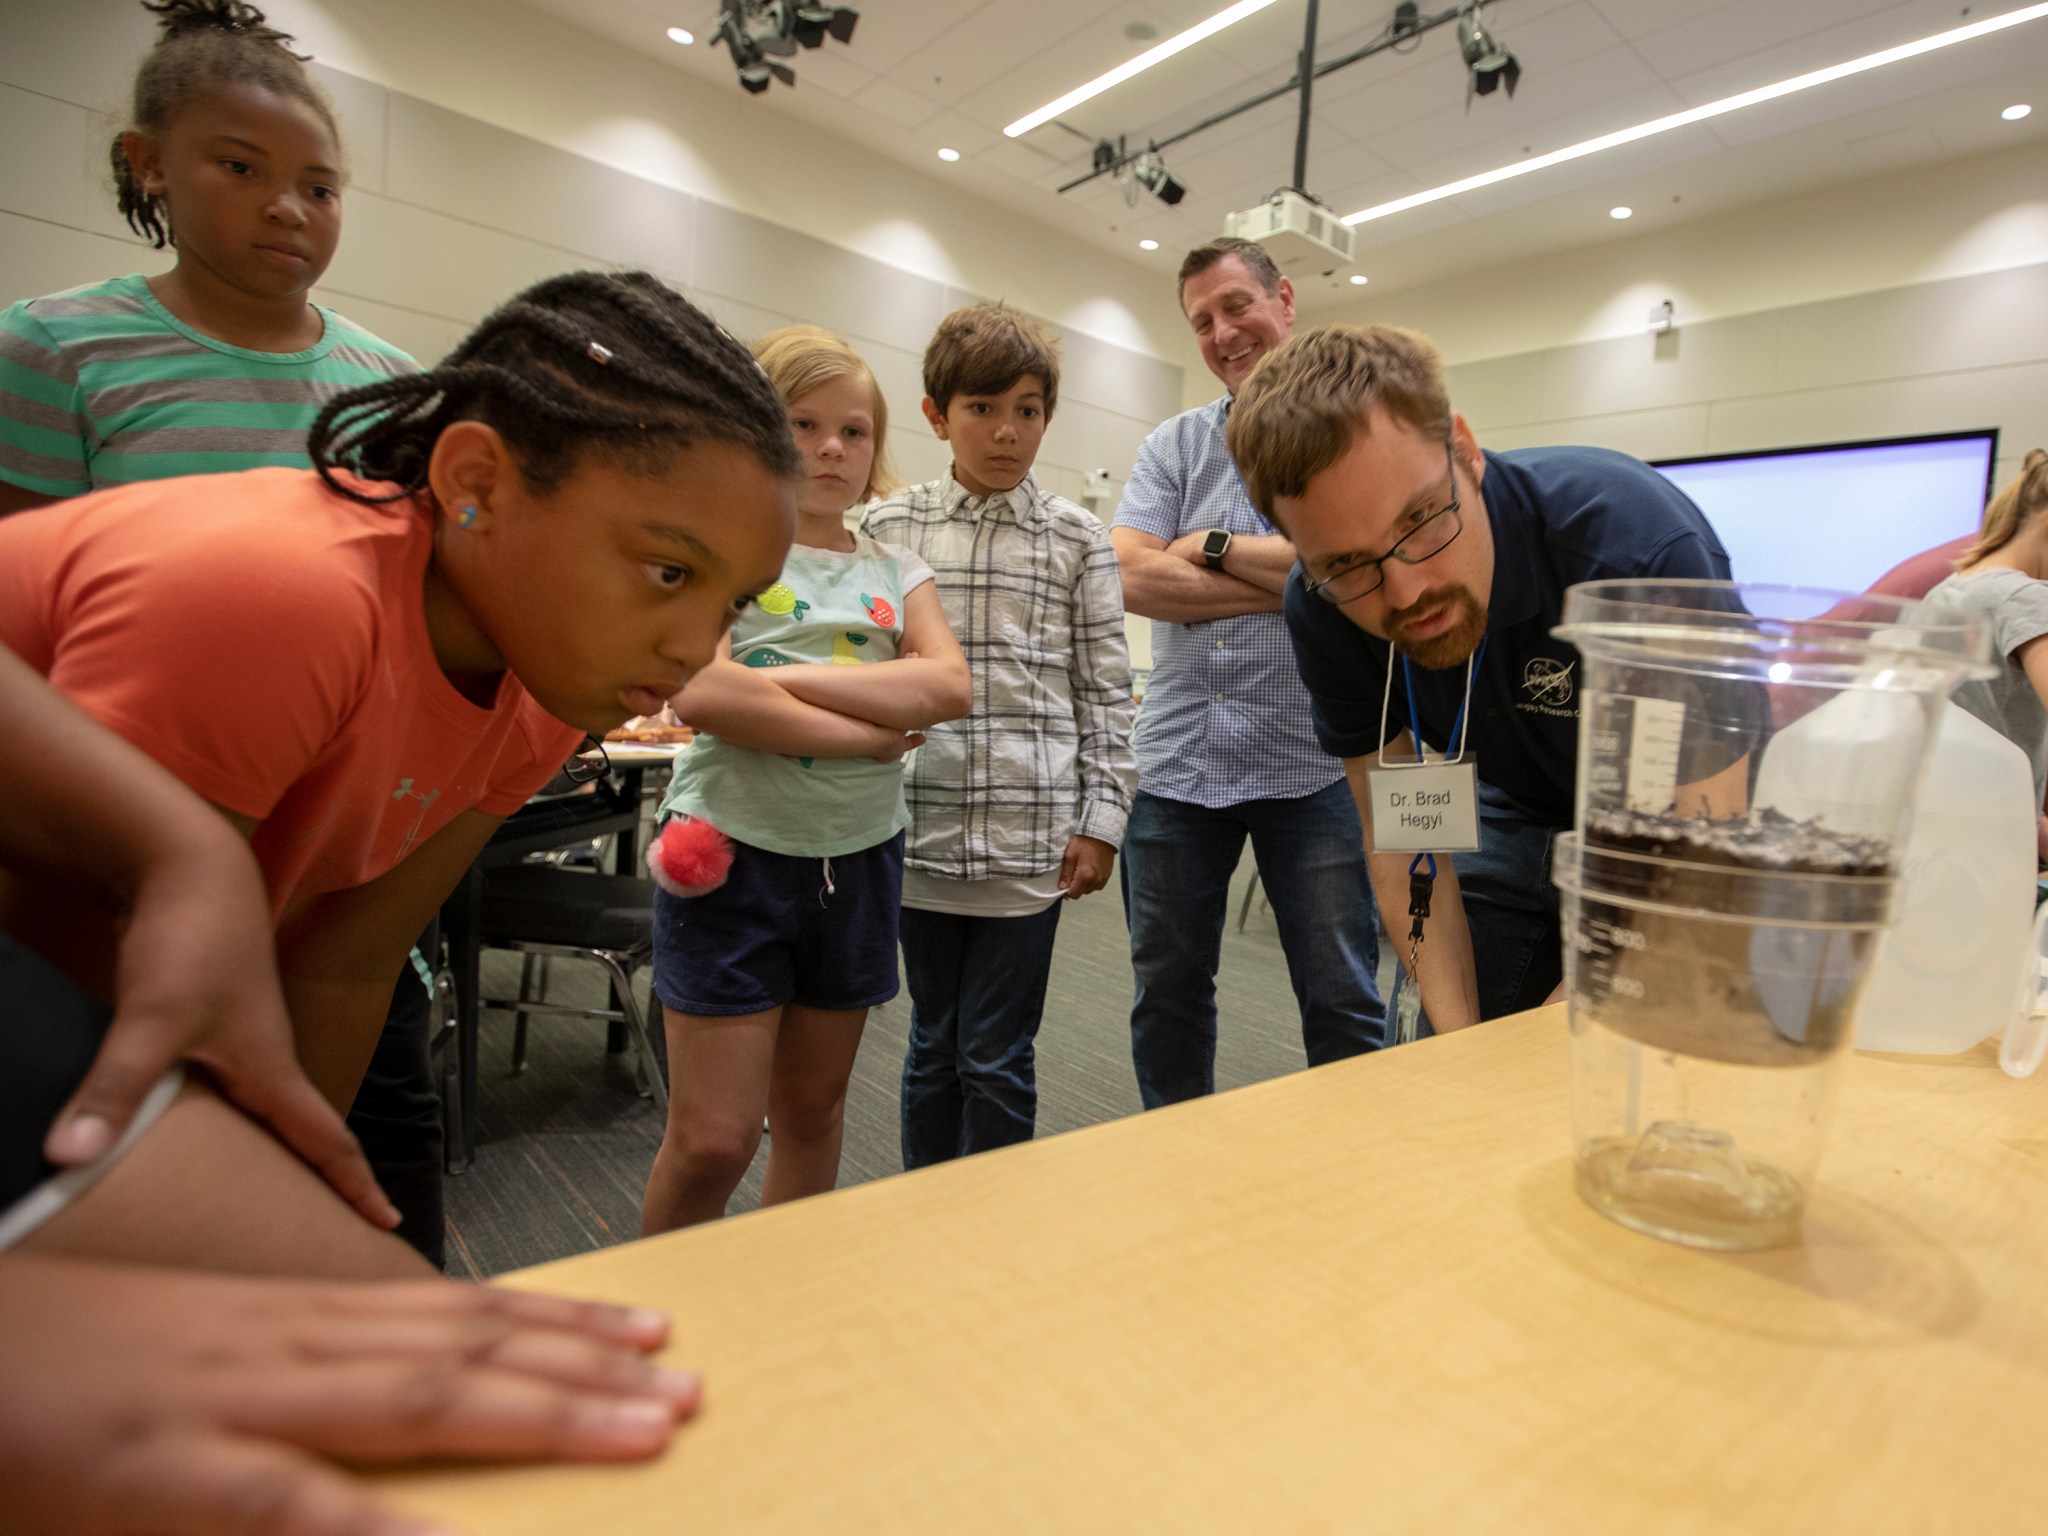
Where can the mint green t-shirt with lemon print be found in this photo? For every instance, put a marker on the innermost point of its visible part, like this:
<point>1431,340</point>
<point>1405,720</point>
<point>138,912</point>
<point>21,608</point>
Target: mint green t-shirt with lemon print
<point>833,607</point>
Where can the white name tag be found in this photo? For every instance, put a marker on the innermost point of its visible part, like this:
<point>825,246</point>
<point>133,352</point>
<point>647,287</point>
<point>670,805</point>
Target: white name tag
<point>1429,808</point>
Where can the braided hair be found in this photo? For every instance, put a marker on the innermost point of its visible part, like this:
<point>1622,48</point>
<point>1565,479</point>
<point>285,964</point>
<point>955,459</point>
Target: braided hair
<point>616,363</point>
<point>205,44</point>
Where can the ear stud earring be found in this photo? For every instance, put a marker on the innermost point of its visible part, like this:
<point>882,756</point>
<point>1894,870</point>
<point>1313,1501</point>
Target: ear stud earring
<point>465,515</point>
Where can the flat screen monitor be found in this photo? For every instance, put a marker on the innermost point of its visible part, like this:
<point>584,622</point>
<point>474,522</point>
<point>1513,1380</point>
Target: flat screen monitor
<point>1839,516</point>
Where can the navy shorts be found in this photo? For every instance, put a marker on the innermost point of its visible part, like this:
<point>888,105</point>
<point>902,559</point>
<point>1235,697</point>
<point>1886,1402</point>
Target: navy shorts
<point>777,932</point>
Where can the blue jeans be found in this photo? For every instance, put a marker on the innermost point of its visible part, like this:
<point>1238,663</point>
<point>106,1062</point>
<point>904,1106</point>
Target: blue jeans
<point>1511,908</point>
<point>977,992</point>
<point>1177,863</point>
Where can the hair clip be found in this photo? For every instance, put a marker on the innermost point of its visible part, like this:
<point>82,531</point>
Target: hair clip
<point>599,352</point>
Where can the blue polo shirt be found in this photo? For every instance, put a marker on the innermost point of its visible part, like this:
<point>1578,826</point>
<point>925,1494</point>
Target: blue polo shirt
<point>1559,516</point>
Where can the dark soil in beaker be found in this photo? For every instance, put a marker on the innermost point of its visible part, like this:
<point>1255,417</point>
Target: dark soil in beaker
<point>1700,956</point>
<point>1769,840</point>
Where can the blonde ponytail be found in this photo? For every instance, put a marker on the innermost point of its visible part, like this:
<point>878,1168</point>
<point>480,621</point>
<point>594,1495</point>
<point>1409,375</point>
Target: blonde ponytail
<point>2017,504</point>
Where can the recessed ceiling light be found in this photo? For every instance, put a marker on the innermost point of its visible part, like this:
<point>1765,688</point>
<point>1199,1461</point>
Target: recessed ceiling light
<point>1700,114</point>
<point>2016,111</point>
<point>1623,212</point>
<point>1148,245</point>
<point>949,155</point>
<point>679,35</point>
<point>1141,63</point>
<point>1358,279</point>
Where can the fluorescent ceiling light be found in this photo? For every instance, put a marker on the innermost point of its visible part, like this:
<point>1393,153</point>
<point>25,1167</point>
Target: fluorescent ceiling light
<point>1148,245</point>
<point>1358,279</point>
<point>949,155</point>
<point>1623,212</point>
<point>1144,61</point>
<point>1721,108</point>
<point>679,35</point>
<point>2016,111</point>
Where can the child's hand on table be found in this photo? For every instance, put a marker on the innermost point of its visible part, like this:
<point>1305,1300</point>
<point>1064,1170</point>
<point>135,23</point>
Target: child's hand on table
<point>147,1402</point>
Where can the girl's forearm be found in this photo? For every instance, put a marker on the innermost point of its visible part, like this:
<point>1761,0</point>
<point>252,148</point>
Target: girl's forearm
<point>740,705</point>
<point>906,695</point>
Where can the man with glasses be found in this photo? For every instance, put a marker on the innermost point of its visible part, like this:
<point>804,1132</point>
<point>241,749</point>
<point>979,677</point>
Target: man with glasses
<point>1431,576</point>
<point>1225,747</point>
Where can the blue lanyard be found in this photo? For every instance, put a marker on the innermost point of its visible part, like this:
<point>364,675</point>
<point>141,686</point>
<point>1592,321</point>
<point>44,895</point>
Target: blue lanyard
<point>1457,731</point>
<point>1464,705</point>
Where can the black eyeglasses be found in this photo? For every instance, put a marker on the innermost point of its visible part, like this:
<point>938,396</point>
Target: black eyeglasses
<point>588,764</point>
<point>1428,538</point>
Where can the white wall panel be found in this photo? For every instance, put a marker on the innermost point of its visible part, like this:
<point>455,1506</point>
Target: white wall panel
<point>68,164</point>
<point>1955,355</point>
<point>762,264</point>
<point>414,258</point>
<point>38,257</point>
<point>498,180</point>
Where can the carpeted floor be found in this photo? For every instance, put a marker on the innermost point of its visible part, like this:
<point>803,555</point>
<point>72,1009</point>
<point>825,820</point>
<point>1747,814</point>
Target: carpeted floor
<point>565,1146</point>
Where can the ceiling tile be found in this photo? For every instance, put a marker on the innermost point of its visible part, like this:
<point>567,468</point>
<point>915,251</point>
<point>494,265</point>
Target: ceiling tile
<point>1544,114</point>
<point>830,69</point>
<point>963,133</point>
<point>967,57</point>
<point>1775,39</point>
<point>1195,76</point>
<point>903,107</point>
<point>1392,123</point>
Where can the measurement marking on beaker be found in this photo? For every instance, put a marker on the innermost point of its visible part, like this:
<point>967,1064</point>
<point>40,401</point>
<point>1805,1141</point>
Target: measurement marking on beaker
<point>1656,727</point>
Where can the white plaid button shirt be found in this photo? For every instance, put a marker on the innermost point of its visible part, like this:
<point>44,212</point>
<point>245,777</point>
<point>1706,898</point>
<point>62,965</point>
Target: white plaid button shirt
<point>1030,586</point>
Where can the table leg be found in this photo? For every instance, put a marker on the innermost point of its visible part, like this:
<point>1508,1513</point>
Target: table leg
<point>625,861</point>
<point>462,918</point>
<point>626,848</point>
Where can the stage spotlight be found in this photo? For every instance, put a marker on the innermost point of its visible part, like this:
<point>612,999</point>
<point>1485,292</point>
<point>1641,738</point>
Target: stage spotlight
<point>754,31</point>
<point>1490,63</point>
<point>1149,172</point>
<point>809,25</point>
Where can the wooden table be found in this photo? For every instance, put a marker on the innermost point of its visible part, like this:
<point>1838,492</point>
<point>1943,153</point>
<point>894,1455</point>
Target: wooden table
<point>1359,1299</point>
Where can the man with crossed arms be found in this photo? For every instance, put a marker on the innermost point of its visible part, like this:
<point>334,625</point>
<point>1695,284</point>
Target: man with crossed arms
<point>1225,747</point>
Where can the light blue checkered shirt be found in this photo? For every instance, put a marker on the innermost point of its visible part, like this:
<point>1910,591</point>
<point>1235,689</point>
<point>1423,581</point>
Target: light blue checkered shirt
<point>1225,718</point>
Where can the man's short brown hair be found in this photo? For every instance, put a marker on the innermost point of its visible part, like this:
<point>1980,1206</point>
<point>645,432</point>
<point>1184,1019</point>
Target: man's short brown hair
<point>1297,413</point>
<point>1250,252</point>
<point>984,349</point>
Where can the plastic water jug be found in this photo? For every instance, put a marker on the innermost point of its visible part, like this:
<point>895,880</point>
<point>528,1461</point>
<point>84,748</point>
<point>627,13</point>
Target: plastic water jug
<point>1962,959</point>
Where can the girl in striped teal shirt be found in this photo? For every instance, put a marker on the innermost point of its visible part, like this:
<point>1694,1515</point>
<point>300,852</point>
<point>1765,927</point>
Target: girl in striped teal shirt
<point>222,362</point>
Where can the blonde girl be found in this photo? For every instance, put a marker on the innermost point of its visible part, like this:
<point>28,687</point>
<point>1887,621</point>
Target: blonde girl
<point>825,682</point>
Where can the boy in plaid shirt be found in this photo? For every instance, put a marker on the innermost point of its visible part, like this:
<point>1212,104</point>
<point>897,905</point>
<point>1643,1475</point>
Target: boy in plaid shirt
<point>1022,803</point>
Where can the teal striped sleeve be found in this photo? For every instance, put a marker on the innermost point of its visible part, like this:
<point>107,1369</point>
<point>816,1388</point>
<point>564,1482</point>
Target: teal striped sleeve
<point>45,433</point>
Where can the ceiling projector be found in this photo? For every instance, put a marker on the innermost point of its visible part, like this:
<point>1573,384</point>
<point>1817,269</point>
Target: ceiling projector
<point>1299,233</point>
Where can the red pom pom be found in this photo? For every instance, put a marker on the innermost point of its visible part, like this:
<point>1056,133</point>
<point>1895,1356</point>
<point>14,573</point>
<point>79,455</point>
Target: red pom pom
<point>689,857</point>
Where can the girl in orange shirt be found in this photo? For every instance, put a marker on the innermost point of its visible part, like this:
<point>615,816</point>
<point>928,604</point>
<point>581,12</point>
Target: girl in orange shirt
<point>364,667</point>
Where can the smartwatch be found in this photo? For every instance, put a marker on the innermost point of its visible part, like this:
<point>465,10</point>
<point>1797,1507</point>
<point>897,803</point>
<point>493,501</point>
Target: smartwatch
<point>1215,545</point>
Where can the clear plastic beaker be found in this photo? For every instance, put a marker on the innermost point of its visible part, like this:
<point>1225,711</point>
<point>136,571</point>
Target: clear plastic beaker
<point>1716,946</point>
<point>1710,1008</point>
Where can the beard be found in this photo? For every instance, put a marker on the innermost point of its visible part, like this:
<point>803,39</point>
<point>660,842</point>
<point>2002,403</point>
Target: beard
<point>1448,648</point>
